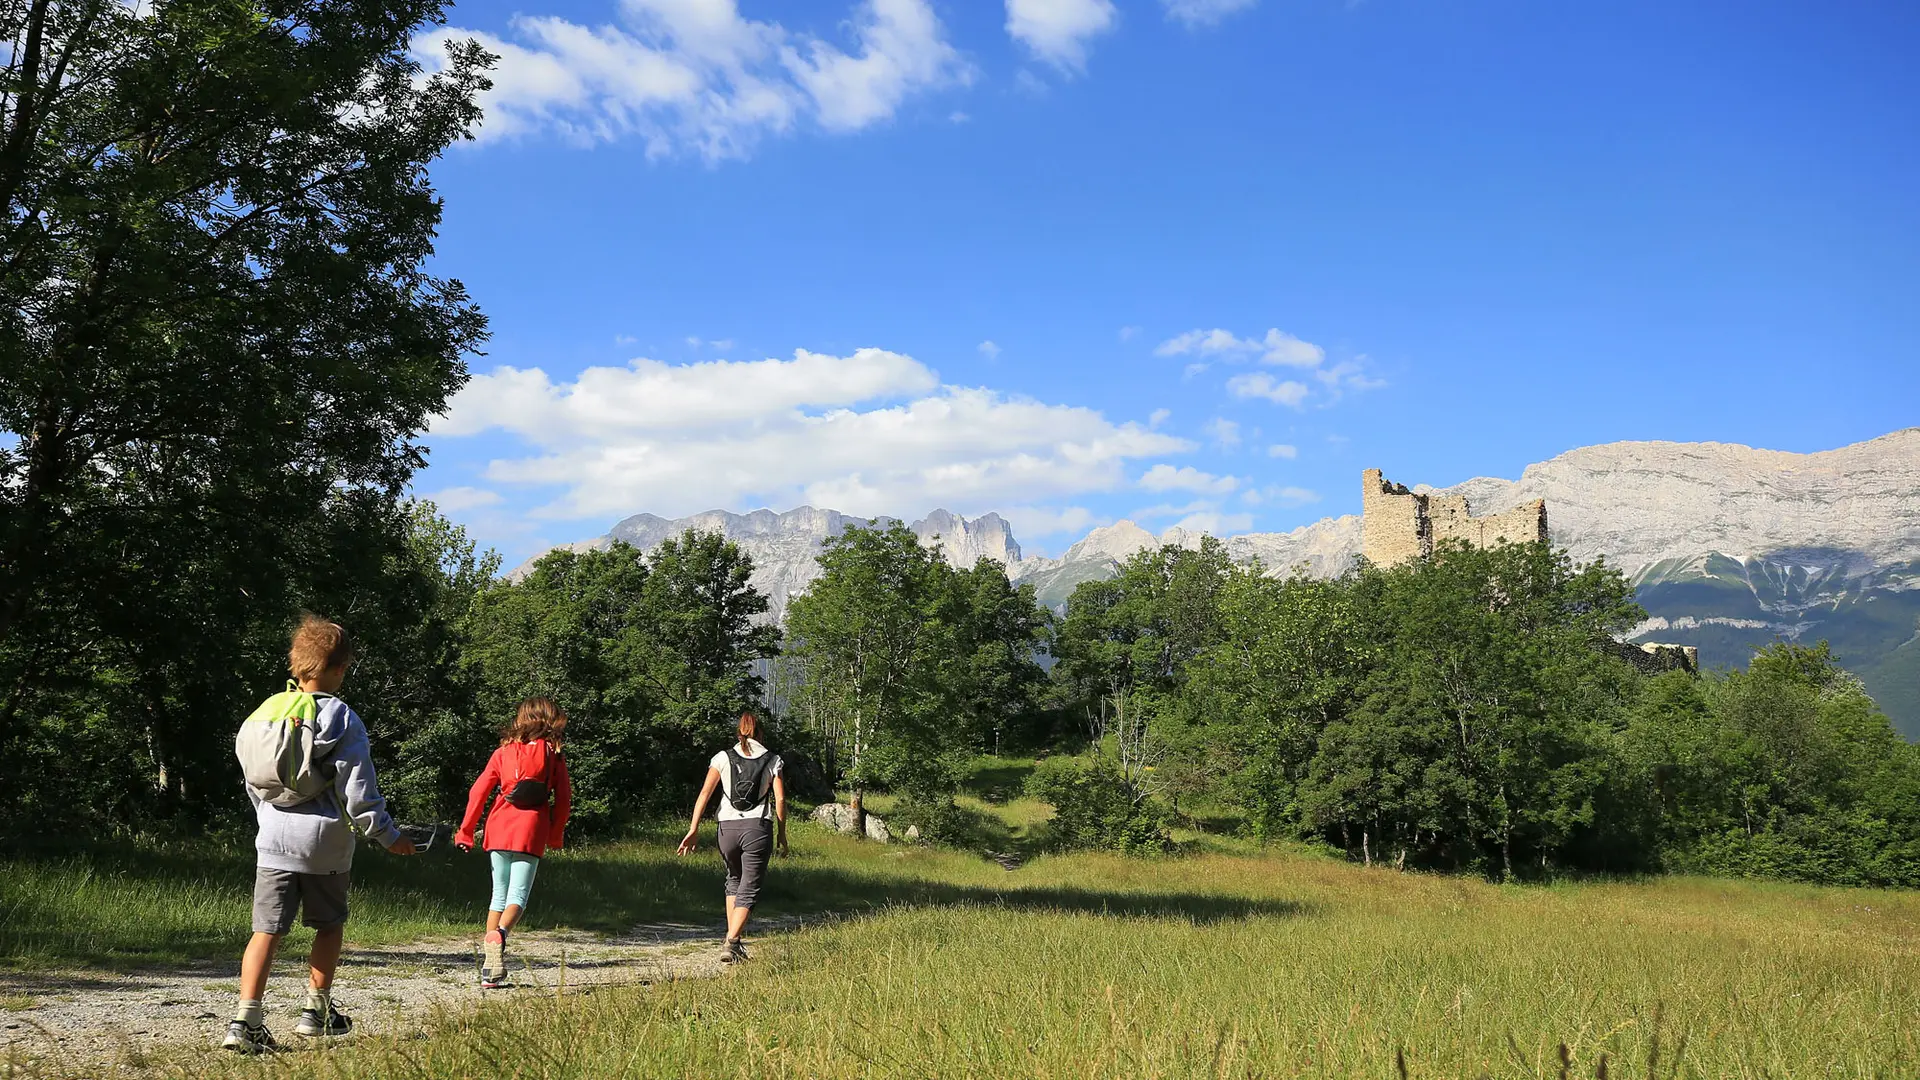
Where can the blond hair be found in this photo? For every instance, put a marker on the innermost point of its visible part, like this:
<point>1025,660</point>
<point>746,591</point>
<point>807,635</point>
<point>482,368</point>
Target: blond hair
<point>319,645</point>
<point>537,718</point>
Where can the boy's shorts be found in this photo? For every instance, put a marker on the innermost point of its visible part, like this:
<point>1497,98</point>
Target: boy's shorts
<point>321,899</point>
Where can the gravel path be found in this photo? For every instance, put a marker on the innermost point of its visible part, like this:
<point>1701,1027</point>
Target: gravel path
<point>94,1023</point>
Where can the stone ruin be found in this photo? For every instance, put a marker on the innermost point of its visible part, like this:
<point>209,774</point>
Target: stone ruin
<point>1397,525</point>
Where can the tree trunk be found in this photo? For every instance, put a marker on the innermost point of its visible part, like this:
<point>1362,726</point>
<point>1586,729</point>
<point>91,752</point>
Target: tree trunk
<point>858,803</point>
<point>1366,852</point>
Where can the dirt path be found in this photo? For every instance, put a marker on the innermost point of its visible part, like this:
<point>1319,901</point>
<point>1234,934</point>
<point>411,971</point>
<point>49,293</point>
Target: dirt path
<point>93,1023</point>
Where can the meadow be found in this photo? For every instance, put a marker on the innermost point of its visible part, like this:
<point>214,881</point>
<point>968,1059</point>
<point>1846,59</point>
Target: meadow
<point>1222,961</point>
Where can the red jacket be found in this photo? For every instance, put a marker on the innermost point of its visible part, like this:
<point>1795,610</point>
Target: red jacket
<point>509,828</point>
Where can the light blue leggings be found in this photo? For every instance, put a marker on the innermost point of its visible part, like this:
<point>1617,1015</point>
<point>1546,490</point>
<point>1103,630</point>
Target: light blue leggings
<point>512,878</point>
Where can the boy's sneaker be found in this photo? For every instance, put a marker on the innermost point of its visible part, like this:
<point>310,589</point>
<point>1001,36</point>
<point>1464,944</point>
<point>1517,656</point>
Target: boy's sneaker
<point>314,1025</point>
<point>736,953</point>
<point>245,1038</point>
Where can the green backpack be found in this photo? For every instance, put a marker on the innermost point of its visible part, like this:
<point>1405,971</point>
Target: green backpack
<point>275,748</point>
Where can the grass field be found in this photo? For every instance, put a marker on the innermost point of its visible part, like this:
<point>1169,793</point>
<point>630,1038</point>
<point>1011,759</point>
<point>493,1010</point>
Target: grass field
<point>1224,962</point>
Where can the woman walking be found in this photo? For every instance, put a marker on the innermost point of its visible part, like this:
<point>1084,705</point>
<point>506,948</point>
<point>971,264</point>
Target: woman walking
<point>528,817</point>
<point>753,823</point>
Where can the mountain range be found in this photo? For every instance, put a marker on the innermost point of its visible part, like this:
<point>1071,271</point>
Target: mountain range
<point>1728,547</point>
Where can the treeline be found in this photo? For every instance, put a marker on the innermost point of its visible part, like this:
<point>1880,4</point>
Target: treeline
<point>1467,713</point>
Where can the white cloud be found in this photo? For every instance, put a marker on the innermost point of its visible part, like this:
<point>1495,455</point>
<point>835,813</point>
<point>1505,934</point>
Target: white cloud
<point>958,117</point>
<point>1291,496</point>
<point>866,433</point>
<point>694,76</point>
<point>1215,523</point>
<point>1277,347</point>
<point>1225,433</point>
<point>1259,384</point>
<point>1164,477</point>
<point>1198,13</point>
<point>1128,333</point>
<point>1283,450</point>
<point>1203,342</point>
<point>1058,30</point>
<point>989,350</point>
<point>1033,521</point>
<point>1193,369</point>
<point>455,500</point>
<point>1158,417</point>
<point>1201,515</point>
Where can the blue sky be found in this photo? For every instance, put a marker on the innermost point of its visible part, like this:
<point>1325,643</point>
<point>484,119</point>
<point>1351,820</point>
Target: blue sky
<point>1185,261</point>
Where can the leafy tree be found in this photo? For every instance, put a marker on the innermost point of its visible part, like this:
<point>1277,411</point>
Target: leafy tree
<point>993,674</point>
<point>218,344</point>
<point>1483,729</point>
<point>1125,643</point>
<point>1290,659</point>
<point>871,641</point>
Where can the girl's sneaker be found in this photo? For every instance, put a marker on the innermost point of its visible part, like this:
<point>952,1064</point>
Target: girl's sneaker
<point>493,961</point>
<point>245,1038</point>
<point>331,1023</point>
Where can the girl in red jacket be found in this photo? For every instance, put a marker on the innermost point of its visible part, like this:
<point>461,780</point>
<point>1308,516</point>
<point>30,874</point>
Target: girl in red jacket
<point>528,817</point>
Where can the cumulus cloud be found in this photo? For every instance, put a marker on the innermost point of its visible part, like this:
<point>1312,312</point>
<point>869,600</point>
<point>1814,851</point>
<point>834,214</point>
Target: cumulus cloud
<point>865,433</point>
<point>1225,433</point>
<point>694,76</point>
<point>1276,347</point>
<point>1158,417</point>
<point>1199,13</point>
<point>1058,31</point>
<point>989,350</point>
<point>1259,384</point>
<point>1164,477</point>
<point>1283,450</point>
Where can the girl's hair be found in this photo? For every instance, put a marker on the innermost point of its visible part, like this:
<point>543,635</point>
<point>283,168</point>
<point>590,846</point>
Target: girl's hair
<point>538,718</point>
<point>318,646</point>
<point>749,728</point>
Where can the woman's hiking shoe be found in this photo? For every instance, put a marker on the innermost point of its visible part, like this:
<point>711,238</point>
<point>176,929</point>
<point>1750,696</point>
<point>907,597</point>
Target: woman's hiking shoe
<point>245,1038</point>
<point>736,953</point>
<point>315,1024</point>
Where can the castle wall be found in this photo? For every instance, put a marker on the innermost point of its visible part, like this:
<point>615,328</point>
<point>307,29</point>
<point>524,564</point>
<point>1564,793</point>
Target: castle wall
<point>1397,525</point>
<point>1392,521</point>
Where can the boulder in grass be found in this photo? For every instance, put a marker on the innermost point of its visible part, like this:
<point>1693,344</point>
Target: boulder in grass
<point>835,816</point>
<point>913,833</point>
<point>877,830</point>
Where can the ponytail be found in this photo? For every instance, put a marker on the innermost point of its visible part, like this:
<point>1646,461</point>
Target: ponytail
<point>749,729</point>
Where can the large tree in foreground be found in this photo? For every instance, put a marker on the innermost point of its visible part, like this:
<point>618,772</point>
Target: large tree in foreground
<point>218,338</point>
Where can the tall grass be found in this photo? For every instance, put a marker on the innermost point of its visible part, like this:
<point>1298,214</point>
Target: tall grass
<point>1234,966</point>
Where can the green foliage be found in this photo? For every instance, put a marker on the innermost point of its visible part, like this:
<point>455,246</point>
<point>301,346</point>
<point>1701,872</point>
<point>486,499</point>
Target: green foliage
<point>906,666</point>
<point>1784,770</point>
<point>653,658</point>
<point>1468,712</point>
<point>1097,807</point>
<point>218,345</point>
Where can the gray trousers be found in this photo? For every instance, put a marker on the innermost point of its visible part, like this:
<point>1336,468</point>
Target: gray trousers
<point>745,845</point>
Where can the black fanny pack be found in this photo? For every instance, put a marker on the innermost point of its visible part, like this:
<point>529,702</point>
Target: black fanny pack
<point>531,794</point>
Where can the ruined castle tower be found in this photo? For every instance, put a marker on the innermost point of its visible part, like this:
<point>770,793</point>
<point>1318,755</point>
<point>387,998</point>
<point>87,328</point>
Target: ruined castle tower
<point>1397,524</point>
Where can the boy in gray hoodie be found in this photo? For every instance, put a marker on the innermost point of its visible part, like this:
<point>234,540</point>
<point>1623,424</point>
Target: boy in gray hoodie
<point>305,852</point>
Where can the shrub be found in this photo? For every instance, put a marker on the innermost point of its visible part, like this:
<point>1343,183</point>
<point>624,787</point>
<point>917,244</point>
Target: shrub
<point>1096,807</point>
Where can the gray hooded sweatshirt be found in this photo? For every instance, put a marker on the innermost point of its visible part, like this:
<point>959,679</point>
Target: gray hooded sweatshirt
<point>314,837</point>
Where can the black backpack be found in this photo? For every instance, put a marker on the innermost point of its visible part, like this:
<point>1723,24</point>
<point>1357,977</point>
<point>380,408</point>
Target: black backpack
<point>530,794</point>
<point>751,779</point>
